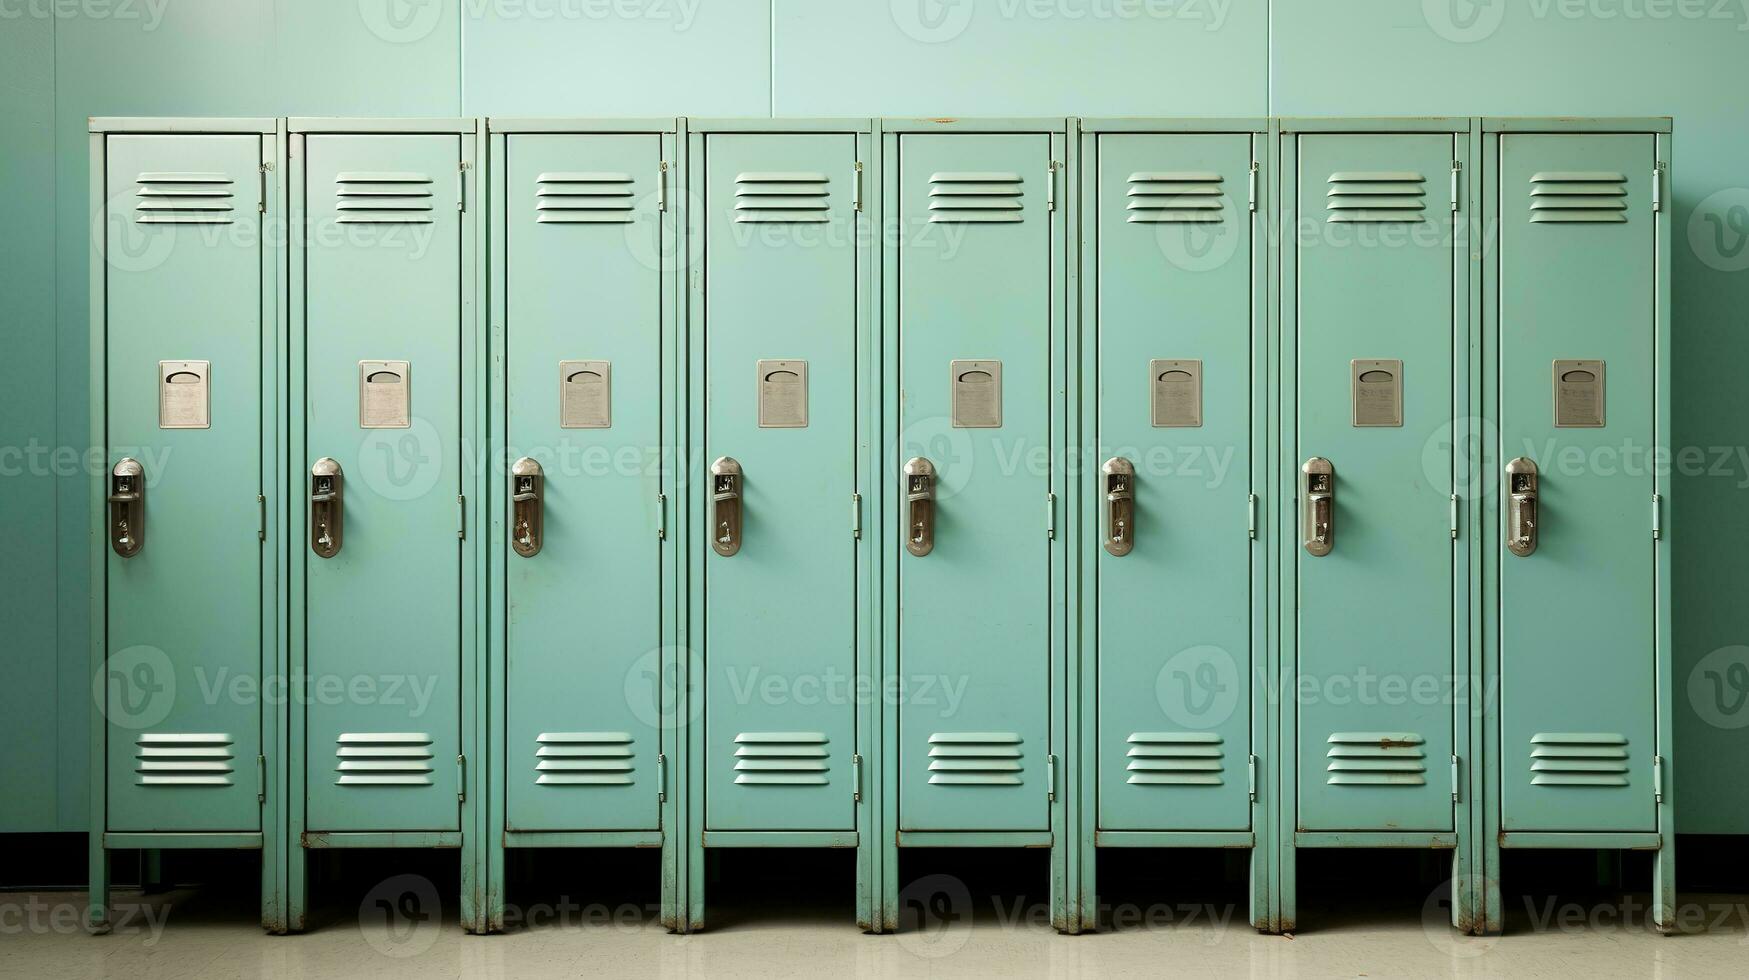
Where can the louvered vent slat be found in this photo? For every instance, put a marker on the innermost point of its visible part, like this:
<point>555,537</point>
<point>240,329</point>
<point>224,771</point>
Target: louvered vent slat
<point>584,198</point>
<point>184,759</point>
<point>781,197</point>
<point>184,199</point>
<point>1374,196</point>
<point>1578,197</point>
<point>383,198</point>
<point>1176,197</point>
<point>781,759</point>
<point>1376,759</point>
<point>584,759</point>
<point>1578,759</point>
<point>384,759</point>
<point>975,758</point>
<point>1175,759</point>
<point>976,197</point>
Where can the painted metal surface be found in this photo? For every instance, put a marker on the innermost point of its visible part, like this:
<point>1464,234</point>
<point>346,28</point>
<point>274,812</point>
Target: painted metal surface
<point>977,236</point>
<point>383,281</point>
<point>1578,697</point>
<point>583,315</point>
<point>1373,617</point>
<point>781,399</point>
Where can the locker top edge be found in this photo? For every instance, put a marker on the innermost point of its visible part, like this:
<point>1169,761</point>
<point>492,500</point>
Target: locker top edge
<point>1376,124</point>
<point>1576,124</point>
<point>1175,124</point>
<point>463,125</point>
<point>532,124</point>
<point>183,124</point>
<point>802,124</point>
<point>974,124</point>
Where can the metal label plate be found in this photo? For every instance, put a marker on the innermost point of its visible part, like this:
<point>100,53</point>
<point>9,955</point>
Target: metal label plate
<point>783,394</point>
<point>1377,389</point>
<point>1175,390</point>
<point>585,394</point>
<point>977,394</point>
<point>1579,394</point>
<point>184,395</point>
<point>385,395</point>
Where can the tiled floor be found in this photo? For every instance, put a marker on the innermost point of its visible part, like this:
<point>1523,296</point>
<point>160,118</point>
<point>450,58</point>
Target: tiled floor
<point>197,934</point>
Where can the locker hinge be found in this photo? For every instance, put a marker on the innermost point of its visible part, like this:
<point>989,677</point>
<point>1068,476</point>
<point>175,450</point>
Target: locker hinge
<point>1051,187</point>
<point>856,778</point>
<point>1252,188</point>
<point>1051,778</point>
<point>1658,187</point>
<point>1457,169</point>
<point>461,779</point>
<point>1251,778</point>
<point>856,515</point>
<point>1657,779</point>
<point>1454,516</point>
<point>1251,516</point>
<point>1050,515</point>
<point>261,779</point>
<point>661,516</point>
<point>662,186</point>
<point>1657,517</point>
<point>1454,779</point>
<point>261,517</point>
<point>261,202</point>
<point>461,516</point>
<point>661,777</point>
<point>856,187</point>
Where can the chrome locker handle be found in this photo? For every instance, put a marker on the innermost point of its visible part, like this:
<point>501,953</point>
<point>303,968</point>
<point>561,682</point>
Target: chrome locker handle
<point>127,507</point>
<point>527,486</point>
<point>327,507</point>
<point>919,506</point>
<point>1119,475</point>
<point>1318,506</point>
<point>726,506</point>
<point>1521,493</point>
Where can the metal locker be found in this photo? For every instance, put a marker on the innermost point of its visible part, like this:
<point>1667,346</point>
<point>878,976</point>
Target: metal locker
<point>384,582</point>
<point>780,328</point>
<point>1374,315</point>
<point>584,274</point>
<point>977,334</point>
<point>1172,296</point>
<point>1578,304</point>
<point>183,328</point>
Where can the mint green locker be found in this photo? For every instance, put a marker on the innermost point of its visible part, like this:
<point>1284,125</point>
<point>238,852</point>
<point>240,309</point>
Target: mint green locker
<point>1171,313</point>
<point>779,333</point>
<point>183,332</point>
<point>1576,300</point>
<point>582,478</point>
<point>976,335</point>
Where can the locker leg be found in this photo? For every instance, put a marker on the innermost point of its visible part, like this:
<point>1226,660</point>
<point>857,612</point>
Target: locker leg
<point>152,871</point>
<point>473,899</point>
<point>1664,888</point>
<point>1287,917</point>
<point>1262,909</point>
<point>97,899</point>
<point>496,875</point>
<point>297,889</point>
<point>1491,908</point>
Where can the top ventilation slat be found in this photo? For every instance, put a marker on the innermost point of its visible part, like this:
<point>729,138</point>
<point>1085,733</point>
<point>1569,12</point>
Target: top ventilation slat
<point>584,197</point>
<point>975,197</point>
<point>782,197</point>
<point>167,198</point>
<point>383,198</point>
<point>1376,196</point>
<point>1578,197</point>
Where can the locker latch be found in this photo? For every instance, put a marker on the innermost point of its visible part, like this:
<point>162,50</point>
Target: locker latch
<point>526,490</point>
<point>856,515</point>
<point>461,779</point>
<point>1251,516</point>
<point>661,777</point>
<point>1658,779</point>
<point>1051,186</point>
<point>919,506</point>
<point>856,187</point>
<point>1119,475</point>
<point>1318,506</point>
<point>1521,515</point>
<point>327,507</point>
<point>127,507</point>
<point>261,779</point>
<point>1051,778</point>
<point>1251,778</point>
<point>1658,187</point>
<point>726,506</point>
<point>661,516</point>
<point>1457,169</point>
<point>1454,779</point>
<point>662,186</point>
<point>261,202</point>
<point>1251,190</point>
<point>856,778</point>
<point>461,186</point>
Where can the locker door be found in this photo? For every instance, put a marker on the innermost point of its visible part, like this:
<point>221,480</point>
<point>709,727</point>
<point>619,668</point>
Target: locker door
<point>583,373</point>
<point>183,393</point>
<point>1375,316</point>
<point>382,363</point>
<point>1174,312</point>
<point>1577,319</point>
<point>780,401</point>
<point>975,277</point>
